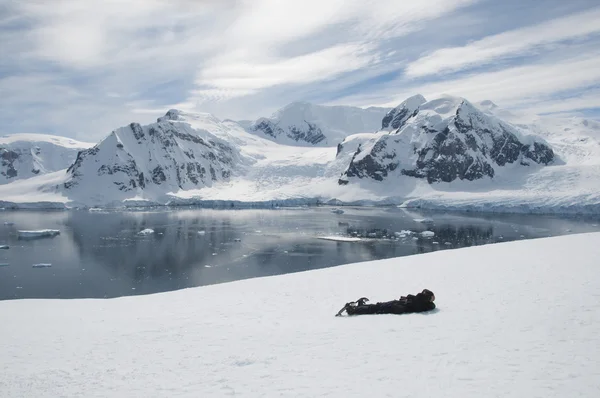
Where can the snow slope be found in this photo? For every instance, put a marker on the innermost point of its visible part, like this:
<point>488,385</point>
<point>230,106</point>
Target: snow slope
<point>305,124</point>
<point>523,323</point>
<point>27,155</point>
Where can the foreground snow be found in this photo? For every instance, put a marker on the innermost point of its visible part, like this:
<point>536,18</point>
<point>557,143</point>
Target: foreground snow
<point>518,319</point>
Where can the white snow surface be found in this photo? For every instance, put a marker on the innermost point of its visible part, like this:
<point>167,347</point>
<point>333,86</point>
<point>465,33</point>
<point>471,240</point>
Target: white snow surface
<point>267,173</point>
<point>334,122</point>
<point>523,323</point>
<point>27,155</point>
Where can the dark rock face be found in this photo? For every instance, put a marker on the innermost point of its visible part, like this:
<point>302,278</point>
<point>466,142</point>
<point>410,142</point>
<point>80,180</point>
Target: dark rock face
<point>469,147</point>
<point>370,166</point>
<point>268,128</point>
<point>309,133</point>
<point>7,159</point>
<point>396,118</point>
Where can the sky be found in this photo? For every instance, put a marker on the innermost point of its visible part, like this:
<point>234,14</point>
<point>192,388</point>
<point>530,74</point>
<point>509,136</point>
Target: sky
<point>83,68</point>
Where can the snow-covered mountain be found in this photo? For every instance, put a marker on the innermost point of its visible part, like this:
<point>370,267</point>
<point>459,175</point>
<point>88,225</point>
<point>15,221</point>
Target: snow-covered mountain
<point>166,156</point>
<point>305,124</point>
<point>443,140</point>
<point>27,155</point>
<point>445,153</point>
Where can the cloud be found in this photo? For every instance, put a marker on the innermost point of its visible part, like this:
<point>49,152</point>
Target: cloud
<point>532,87</point>
<point>83,68</point>
<point>251,58</point>
<point>514,43</point>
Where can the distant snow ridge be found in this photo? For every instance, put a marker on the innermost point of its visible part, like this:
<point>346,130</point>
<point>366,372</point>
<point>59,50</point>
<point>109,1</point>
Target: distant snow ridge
<point>165,156</point>
<point>27,155</point>
<point>443,140</point>
<point>305,124</point>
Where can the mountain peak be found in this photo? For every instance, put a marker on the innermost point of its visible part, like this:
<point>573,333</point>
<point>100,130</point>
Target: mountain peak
<point>487,104</point>
<point>395,118</point>
<point>177,115</point>
<point>414,101</point>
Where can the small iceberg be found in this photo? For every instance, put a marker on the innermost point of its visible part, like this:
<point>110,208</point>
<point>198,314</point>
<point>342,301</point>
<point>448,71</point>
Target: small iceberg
<point>3,264</point>
<point>403,234</point>
<point>340,238</point>
<point>4,247</point>
<point>428,234</point>
<point>337,211</point>
<point>9,223</point>
<point>424,220</point>
<point>201,232</point>
<point>147,231</point>
<point>42,233</point>
<point>42,265</point>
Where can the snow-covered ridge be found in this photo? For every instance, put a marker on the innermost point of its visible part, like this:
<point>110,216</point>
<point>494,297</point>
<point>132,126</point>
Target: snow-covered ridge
<point>27,155</point>
<point>306,124</point>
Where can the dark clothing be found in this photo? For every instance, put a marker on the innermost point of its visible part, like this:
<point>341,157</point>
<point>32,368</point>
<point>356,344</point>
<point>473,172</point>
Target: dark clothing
<point>405,305</point>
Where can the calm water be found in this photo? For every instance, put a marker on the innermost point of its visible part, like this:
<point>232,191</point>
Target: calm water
<point>102,254</point>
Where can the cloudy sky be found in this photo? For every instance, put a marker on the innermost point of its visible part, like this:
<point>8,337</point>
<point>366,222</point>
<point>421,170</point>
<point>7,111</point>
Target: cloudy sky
<point>82,68</point>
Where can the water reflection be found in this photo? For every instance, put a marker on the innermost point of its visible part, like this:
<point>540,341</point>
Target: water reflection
<point>103,254</point>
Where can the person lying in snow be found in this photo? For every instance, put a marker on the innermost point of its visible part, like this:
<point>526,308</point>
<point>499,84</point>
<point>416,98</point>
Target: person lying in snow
<point>404,305</point>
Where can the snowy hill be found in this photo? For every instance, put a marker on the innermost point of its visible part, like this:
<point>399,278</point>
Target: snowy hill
<point>305,124</point>
<point>27,155</point>
<point>443,140</point>
<point>166,156</point>
<point>518,319</point>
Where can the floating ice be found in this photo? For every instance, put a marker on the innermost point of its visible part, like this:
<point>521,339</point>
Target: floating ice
<point>4,247</point>
<point>428,234</point>
<point>337,211</point>
<point>3,264</point>
<point>448,243</point>
<point>9,223</point>
<point>147,231</point>
<point>42,233</point>
<point>201,232</point>
<point>424,220</point>
<point>42,265</point>
<point>340,238</point>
